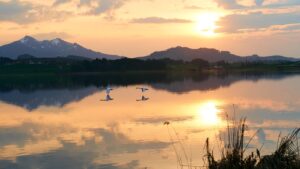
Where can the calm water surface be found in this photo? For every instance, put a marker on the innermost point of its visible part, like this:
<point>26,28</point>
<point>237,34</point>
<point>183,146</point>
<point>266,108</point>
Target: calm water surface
<point>63,123</point>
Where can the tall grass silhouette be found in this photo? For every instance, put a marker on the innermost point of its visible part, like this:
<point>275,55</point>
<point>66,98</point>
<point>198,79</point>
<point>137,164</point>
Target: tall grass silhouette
<point>233,156</point>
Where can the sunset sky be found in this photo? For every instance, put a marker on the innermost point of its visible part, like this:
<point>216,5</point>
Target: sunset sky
<point>139,27</point>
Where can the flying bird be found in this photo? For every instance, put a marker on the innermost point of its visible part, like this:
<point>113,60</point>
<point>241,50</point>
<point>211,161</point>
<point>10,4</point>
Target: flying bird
<point>108,90</point>
<point>143,89</point>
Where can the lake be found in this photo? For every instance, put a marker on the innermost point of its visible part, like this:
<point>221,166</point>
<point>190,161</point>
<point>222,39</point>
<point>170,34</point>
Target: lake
<point>65,122</point>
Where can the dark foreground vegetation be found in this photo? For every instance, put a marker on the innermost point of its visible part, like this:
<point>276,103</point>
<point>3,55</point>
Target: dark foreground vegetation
<point>235,151</point>
<point>286,156</point>
<point>27,64</point>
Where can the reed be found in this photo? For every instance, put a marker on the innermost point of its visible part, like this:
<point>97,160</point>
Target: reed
<point>286,156</point>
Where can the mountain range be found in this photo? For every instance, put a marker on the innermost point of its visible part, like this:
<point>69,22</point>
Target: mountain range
<point>49,49</point>
<point>60,48</point>
<point>211,55</point>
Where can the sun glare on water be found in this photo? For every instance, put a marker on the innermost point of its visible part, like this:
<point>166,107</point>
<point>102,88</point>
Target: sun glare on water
<point>209,113</point>
<point>206,24</point>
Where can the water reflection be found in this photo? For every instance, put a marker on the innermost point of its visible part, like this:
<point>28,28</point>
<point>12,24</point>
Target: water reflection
<point>143,99</point>
<point>100,145</point>
<point>31,100</point>
<point>108,98</point>
<point>209,113</point>
<point>64,125</point>
<point>33,92</point>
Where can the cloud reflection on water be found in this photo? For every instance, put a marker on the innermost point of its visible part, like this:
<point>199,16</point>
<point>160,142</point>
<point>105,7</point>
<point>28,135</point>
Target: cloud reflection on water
<point>128,134</point>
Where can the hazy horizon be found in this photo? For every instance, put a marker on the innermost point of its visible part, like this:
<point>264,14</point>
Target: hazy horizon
<point>138,27</point>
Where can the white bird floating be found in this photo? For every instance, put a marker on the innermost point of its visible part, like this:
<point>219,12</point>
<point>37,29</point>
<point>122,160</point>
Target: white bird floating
<point>143,89</point>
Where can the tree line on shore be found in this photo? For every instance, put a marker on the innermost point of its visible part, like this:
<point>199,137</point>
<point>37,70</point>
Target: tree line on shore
<point>77,64</point>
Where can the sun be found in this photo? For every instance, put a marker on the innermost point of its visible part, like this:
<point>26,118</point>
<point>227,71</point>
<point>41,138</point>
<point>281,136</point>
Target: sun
<point>209,113</point>
<point>206,24</point>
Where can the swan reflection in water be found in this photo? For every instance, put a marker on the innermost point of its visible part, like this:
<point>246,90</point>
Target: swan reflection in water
<point>107,99</point>
<point>108,90</point>
<point>143,89</point>
<point>143,99</point>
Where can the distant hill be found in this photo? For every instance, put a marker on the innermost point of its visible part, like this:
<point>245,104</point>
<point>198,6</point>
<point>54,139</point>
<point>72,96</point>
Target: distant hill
<point>211,55</point>
<point>274,58</point>
<point>28,47</point>
<point>49,49</point>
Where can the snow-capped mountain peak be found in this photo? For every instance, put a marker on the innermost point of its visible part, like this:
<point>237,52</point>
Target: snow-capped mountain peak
<point>56,41</point>
<point>27,39</point>
<point>49,49</point>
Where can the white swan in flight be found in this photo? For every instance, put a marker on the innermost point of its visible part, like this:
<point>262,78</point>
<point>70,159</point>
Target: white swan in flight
<point>143,89</point>
<point>108,90</point>
<point>107,99</point>
<point>143,99</point>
